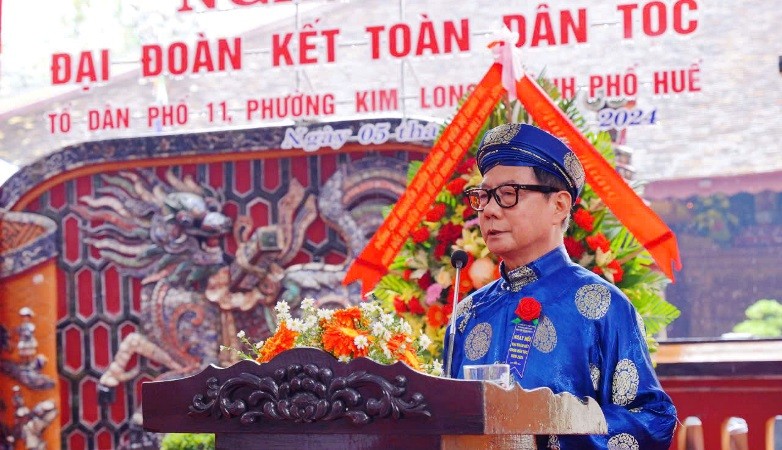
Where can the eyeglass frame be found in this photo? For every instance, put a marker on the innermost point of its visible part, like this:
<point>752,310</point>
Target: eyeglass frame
<point>492,193</point>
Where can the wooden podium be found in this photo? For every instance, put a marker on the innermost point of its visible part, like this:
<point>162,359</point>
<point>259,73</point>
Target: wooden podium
<point>306,399</point>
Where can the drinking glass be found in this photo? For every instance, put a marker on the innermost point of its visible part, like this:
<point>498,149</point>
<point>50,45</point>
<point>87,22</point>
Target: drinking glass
<point>496,373</point>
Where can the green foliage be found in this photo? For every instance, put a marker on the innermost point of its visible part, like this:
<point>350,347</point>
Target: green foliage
<point>764,319</point>
<point>188,441</point>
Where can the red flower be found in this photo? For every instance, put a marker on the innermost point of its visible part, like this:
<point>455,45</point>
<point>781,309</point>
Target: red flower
<point>436,213</point>
<point>439,250</point>
<point>598,241</point>
<point>616,271</point>
<point>449,233</point>
<point>425,281</point>
<point>415,306</point>
<point>468,213</point>
<point>528,309</point>
<point>574,248</point>
<point>399,305</point>
<point>448,309</point>
<point>583,219</point>
<point>420,235</point>
<point>466,166</point>
<point>456,186</point>
<point>406,274</point>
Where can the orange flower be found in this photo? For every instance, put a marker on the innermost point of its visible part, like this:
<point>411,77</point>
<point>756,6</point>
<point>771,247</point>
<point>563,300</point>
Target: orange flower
<point>401,350</point>
<point>282,340</point>
<point>341,341</point>
<point>436,316</point>
<point>410,359</point>
<point>598,241</point>
<point>465,283</point>
<point>347,317</point>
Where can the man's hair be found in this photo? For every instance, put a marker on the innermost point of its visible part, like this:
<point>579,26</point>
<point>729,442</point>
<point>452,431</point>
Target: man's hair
<point>549,179</point>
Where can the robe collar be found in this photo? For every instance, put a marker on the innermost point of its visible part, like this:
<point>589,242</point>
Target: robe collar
<point>519,277</point>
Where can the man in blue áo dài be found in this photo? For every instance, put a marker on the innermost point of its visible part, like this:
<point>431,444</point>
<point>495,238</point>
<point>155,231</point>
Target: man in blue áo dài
<point>587,338</point>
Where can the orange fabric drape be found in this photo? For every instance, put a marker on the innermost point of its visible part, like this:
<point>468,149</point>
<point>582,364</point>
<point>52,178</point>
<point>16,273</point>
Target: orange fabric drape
<point>618,196</point>
<point>435,171</point>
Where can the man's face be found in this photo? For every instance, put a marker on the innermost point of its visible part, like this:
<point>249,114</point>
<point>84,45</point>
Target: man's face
<point>528,230</point>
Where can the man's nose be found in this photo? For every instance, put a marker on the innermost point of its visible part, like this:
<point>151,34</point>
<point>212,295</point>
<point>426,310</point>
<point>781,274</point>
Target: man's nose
<point>492,208</point>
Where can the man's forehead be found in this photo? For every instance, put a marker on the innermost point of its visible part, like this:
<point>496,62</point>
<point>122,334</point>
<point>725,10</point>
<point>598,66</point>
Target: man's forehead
<point>508,174</point>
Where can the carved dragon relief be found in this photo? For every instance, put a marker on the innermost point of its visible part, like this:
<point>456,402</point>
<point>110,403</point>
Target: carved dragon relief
<point>195,296</point>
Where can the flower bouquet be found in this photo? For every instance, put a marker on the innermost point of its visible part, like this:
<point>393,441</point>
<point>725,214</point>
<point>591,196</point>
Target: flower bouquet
<point>418,285</point>
<point>359,331</point>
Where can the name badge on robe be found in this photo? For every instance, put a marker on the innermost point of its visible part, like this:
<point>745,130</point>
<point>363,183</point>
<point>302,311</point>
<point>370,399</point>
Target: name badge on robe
<point>520,346</point>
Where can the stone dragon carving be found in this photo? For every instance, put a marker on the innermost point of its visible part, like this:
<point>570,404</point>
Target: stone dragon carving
<point>171,234</point>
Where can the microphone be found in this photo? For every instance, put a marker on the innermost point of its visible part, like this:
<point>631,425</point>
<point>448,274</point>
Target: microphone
<point>458,261</point>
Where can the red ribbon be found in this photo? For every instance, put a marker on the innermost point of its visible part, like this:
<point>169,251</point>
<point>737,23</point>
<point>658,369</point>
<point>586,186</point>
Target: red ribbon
<point>373,262</point>
<point>618,196</point>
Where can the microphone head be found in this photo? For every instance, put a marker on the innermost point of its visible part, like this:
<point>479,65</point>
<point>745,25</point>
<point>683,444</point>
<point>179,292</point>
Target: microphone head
<point>459,259</point>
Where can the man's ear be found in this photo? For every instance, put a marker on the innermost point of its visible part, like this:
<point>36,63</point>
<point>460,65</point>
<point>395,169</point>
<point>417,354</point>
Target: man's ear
<point>562,205</point>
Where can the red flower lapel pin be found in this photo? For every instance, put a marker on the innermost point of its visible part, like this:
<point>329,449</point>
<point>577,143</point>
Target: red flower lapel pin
<point>528,309</point>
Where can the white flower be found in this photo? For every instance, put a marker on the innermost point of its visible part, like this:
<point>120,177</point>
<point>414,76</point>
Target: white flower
<point>325,314</point>
<point>370,308</point>
<point>603,258</point>
<point>344,359</point>
<point>387,319</point>
<point>435,368</point>
<point>308,304</point>
<point>386,351</point>
<point>406,328</point>
<point>361,341</point>
<point>424,341</point>
<point>296,325</point>
<point>310,323</point>
<point>259,345</point>
<point>444,277</point>
<point>223,347</point>
<point>379,330</point>
<point>283,311</point>
<point>240,334</point>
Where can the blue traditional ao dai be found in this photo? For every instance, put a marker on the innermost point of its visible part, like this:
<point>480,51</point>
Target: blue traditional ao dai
<point>589,341</point>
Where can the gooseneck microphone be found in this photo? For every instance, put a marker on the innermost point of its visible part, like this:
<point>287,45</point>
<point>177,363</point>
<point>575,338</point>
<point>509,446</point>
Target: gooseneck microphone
<point>458,261</point>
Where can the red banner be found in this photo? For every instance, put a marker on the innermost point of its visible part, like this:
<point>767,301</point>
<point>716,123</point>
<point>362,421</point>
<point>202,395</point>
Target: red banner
<point>618,196</point>
<point>373,262</point>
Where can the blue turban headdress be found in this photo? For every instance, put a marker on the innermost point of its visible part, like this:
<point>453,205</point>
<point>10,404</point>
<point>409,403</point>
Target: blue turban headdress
<point>518,144</point>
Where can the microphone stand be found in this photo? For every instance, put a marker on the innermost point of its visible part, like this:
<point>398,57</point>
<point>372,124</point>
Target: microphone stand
<point>458,259</point>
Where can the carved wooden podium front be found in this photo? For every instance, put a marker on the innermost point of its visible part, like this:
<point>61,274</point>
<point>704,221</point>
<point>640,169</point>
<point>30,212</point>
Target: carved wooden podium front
<point>306,399</point>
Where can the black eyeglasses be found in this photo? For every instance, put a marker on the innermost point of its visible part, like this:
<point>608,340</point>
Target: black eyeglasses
<point>506,195</point>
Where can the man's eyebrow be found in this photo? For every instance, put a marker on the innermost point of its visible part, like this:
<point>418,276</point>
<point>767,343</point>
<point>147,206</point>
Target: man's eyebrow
<point>483,186</point>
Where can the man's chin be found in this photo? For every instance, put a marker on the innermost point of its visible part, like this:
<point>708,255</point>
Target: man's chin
<point>499,248</point>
